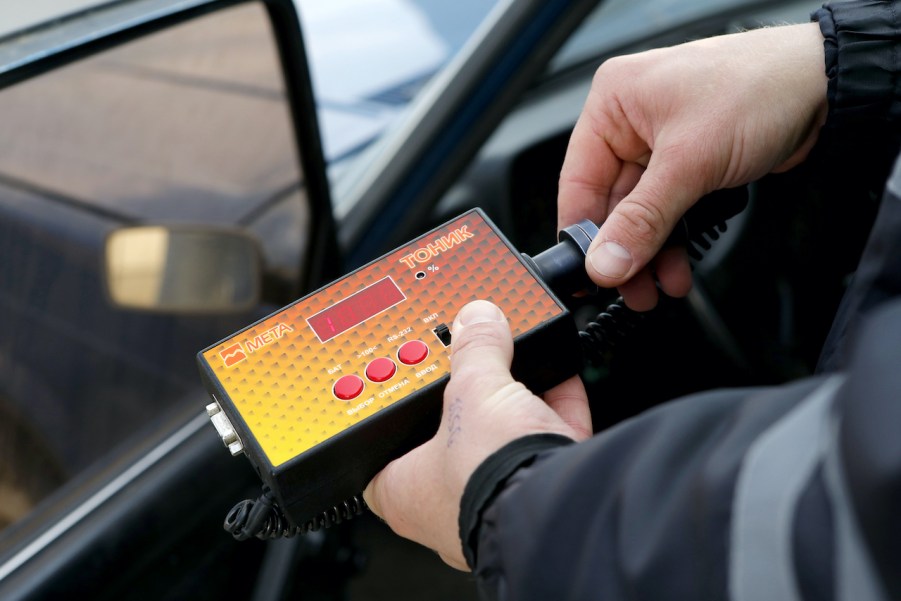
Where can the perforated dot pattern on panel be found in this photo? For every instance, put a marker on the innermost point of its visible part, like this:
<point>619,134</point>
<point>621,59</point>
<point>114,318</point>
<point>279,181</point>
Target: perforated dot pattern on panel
<point>279,375</point>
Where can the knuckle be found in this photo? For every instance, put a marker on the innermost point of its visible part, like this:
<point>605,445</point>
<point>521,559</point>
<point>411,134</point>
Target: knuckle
<point>610,68</point>
<point>600,74</point>
<point>642,220</point>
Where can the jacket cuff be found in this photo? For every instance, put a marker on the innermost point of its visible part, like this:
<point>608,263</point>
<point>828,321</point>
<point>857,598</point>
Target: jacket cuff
<point>861,64</point>
<point>488,480</point>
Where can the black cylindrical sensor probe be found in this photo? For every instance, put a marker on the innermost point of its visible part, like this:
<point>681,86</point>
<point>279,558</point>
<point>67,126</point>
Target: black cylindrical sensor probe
<point>562,267</point>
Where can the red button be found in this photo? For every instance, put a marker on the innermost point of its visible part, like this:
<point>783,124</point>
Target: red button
<point>381,369</point>
<point>348,387</point>
<point>413,352</point>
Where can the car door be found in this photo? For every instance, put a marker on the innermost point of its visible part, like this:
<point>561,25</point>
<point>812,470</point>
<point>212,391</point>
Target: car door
<point>195,120</point>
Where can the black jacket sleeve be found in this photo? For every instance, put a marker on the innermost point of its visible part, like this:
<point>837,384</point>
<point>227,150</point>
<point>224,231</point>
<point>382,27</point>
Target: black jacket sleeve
<point>639,512</point>
<point>863,128</point>
<point>861,40</point>
<point>863,63</point>
<point>780,493</point>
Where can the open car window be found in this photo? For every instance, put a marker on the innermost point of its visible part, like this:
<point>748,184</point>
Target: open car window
<point>188,126</point>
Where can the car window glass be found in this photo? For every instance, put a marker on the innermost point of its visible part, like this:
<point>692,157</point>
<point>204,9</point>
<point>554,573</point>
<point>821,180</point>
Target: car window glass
<point>188,126</point>
<point>370,58</point>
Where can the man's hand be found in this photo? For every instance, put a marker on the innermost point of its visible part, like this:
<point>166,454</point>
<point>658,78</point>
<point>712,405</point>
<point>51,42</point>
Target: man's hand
<point>418,495</point>
<point>663,128</point>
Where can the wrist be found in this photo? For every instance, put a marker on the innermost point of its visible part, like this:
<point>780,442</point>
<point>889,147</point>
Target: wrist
<point>806,60</point>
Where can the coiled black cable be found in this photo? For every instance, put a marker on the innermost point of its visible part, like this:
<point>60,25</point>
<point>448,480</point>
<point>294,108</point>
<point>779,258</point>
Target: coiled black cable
<point>702,225</point>
<point>263,518</point>
<point>600,337</point>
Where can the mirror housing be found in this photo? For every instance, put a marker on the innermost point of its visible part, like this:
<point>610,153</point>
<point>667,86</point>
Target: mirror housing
<point>182,269</point>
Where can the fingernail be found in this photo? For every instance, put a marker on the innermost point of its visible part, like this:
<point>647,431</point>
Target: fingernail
<point>479,312</point>
<point>611,259</point>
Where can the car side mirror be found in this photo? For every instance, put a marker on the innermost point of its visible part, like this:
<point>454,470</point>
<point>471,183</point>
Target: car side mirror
<point>182,269</point>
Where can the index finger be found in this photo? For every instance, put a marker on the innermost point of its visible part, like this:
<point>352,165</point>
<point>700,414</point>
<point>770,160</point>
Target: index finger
<point>602,163</point>
<point>589,171</point>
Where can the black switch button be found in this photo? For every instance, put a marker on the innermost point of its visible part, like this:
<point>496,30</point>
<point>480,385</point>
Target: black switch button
<point>443,333</point>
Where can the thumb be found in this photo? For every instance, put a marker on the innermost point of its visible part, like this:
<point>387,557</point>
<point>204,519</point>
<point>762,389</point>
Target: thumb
<point>638,226</point>
<point>482,350</point>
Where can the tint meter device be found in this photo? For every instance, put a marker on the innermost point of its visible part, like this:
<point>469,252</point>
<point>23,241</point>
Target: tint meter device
<point>322,394</point>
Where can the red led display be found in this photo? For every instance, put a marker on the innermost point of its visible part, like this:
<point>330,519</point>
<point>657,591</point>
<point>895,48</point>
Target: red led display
<point>355,309</point>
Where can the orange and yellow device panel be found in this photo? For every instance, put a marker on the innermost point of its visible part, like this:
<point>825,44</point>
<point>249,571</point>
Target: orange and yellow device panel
<point>347,351</point>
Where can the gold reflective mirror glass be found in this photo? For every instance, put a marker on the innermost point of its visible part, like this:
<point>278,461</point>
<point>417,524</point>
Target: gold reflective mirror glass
<point>182,270</point>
